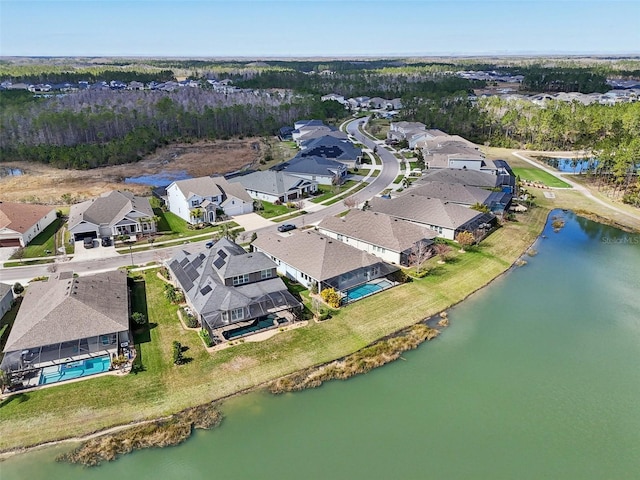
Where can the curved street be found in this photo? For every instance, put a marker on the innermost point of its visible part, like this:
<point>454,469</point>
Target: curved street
<point>390,170</point>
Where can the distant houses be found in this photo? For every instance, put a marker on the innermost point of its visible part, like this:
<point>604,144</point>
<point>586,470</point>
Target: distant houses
<point>22,222</point>
<point>201,199</point>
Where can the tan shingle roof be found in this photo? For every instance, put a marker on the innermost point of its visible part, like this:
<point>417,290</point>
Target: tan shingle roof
<point>450,192</point>
<point>20,217</point>
<point>378,229</point>
<point>64,309</point>
<point>319,256</point>
<point>430,211</point>
<point>201,186</point>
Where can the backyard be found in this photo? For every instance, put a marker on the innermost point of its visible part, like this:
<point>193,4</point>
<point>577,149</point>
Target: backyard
<point>157,387</point>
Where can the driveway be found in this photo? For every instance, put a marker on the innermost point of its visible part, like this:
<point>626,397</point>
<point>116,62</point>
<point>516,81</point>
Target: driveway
<point>82,254</point>
<point>252,221</point>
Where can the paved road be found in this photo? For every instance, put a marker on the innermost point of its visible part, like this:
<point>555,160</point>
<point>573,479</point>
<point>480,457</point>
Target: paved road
<point>390,170</point>
<point>578,187</point>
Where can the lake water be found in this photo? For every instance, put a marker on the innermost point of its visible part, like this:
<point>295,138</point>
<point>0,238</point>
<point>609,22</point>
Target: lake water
<point>571,165</point>
<point>538,377</point>
<point>10,172</point>
<point>161,179</point>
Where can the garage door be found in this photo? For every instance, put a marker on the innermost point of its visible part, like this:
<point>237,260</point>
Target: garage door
<point>9,242</point>
<point>81,236</point>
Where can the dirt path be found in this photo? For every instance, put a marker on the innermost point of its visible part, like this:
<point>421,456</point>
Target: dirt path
<point>43,184</point>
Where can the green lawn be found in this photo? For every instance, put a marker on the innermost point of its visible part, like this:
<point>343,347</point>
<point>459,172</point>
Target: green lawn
<point>7,322</point>
<point>45,241</point>
<point>170,222</point>
<point>399,178</point>
<point>342,197</point>
<point>328,191</point>
<point>270,210</point>
<point>534,174</point>
<point>159,388</point>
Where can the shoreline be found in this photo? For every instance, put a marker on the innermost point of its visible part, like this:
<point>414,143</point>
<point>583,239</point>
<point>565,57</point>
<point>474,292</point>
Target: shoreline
<point>8,453</point>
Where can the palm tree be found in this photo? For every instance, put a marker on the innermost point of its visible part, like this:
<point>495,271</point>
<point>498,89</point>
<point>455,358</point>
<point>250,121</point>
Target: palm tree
<point>196,214</point>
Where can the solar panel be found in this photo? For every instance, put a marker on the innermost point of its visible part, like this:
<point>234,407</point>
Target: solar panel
<point>184,261</point>
<point>183,279</point>
<point>222,253</point>
<point>205,290</point>
<point>219,263</point>
<point>197,262</point>
<point>191,272</point>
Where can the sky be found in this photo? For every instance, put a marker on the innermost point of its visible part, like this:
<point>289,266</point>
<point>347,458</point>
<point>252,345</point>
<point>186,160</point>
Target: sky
<point>317,28</point>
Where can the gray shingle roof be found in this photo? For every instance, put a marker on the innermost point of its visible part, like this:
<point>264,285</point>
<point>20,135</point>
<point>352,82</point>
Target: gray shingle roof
<point>310,165</point>
<point>4,289</point>
<point>429,211</point>
<point>201,276</point>
<point>473,178</point>
<point>450,192</point>
<point>109,208</point>
<point>329,146</point>
<point>378,229</point>
<point>317,255</point>
<point>270,181</point>
<point>64,309</point>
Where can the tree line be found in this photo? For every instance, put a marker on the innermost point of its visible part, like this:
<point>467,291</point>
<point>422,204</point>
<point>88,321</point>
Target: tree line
<point>93,129</point>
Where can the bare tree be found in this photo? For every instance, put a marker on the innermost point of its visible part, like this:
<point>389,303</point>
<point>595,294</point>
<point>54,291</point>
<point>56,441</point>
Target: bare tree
<point>443,250</point>
<point>419,253</point>
<point>350,202</point>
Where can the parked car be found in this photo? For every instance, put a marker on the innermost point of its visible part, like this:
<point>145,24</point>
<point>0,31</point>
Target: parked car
<point>106,241</point>
<point>285,227</point>
<point>208,244</point>
<point>88,242</point>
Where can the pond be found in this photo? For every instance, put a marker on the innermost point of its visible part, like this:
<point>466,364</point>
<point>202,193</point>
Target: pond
<point>10,172</point>
<point>161,179</point>
<point>571,165</point>
<point>536,378</point>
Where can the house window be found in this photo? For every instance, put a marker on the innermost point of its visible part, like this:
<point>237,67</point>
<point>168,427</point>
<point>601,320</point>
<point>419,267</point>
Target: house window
<point>195,203</point>
<point>266,274</point>
<point>237,314</point>
<point>241,279</point>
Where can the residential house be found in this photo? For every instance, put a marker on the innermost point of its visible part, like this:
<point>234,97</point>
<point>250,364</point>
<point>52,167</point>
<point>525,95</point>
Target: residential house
<point>448,219</point>
<point>22,222</point>
<point>6,298</point>
<point>331,147</point>
<point>314,168</point>
<point>230,289</point>
<point>285,133</point>
<point>465,195</point>
<point>334,97</point>
<point>304,128</point>
<point>274,186</point>
<point>66,320</point>
<point>111,214</point>
<point>311,258</point>
<point>199,199</point>
<point>392,239</point>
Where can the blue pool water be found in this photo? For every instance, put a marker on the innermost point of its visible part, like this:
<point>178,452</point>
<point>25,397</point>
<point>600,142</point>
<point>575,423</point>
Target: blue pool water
<point>266,322</point>
<point>360,291</point>
<point>68,371</point>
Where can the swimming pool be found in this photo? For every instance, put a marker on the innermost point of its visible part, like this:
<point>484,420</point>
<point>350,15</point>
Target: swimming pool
<point>68,371</point>
<point>263,323</point>
<point>366,289</point>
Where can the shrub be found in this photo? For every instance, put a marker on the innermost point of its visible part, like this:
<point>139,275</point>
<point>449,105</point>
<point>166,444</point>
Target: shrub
<point>314,288</point>
<point>206,338</point>
<point>331,297</point>
<point>177,352</point>
<point>18,288</point>
<point>138,318</point>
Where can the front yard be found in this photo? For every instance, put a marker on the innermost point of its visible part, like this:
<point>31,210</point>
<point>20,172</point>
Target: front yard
<point>328,191</point>
<point>44,244</point>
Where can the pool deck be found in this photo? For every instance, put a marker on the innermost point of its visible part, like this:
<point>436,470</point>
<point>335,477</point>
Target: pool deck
<point>259,336</point>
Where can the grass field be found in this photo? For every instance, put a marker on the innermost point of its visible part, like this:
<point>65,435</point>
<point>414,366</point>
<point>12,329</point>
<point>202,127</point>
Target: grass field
<point>159,387</point>
<point>270,210</point>
<point>534,174</point>
<point>45,243</point>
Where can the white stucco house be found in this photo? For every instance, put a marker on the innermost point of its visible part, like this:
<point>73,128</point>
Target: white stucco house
<point>198,199</point>
<point>22,222</point>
